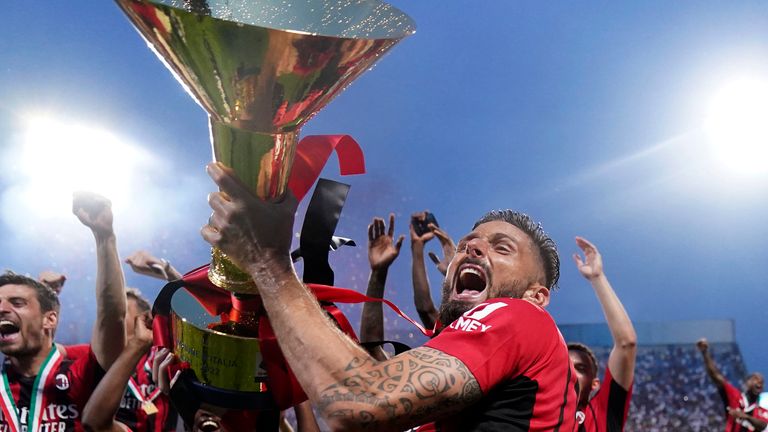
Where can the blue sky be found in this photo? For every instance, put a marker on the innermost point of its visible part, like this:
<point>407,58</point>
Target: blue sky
<point>588,116</point>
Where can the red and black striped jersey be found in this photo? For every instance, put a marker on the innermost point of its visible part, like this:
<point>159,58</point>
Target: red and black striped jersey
<point>607,410</point>
<point>733,398</point>
<point>131,412</point>
<point>520,360</point>
<point>65,393</point>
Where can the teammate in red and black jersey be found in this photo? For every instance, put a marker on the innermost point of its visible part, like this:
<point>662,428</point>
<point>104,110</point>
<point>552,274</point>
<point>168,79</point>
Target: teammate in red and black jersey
<point>143,406</point>
<point>506,256</point>
<point>603,406</point>
<point>99,412</point>
<point>43,390</point>
<point>742,412</point>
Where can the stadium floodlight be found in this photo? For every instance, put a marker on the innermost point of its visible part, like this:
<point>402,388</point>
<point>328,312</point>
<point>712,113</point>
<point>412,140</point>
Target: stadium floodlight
<point>737,126</point>
<point>58,157</point>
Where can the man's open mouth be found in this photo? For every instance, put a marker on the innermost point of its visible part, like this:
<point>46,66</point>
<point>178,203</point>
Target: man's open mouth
<point>209,425</point>
<point>8,330</point>
<point>471,281</point>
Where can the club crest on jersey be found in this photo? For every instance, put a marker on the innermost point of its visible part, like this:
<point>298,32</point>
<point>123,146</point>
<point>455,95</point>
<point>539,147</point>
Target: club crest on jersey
<point>470,321</point>
<point>62,382</point>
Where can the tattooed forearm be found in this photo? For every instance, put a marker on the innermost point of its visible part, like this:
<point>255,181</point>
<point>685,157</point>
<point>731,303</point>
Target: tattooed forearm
<point>406,390</point>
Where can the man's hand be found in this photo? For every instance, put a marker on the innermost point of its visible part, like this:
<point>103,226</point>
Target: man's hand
<point>254,233</point>
<point>592,266</point>
<point>163,359</point>
<point>449,249</point>
<point>382,249</point>
<point>142,332</point>
<point>142,262</point>
<point>53,280</point>
<point>737,413</point>
<point>94,211</point>
<point>703,345</point>
<point>416,239</point>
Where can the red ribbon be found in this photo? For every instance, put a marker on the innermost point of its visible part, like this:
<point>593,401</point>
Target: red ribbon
<point>313,152</point>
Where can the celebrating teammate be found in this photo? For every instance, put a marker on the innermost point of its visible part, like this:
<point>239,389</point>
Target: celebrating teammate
<point>741,408</point>
<point>603,406</point>
<point>44,390</point>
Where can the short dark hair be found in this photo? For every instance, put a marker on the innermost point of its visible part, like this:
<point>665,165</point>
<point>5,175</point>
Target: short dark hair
<point>46,296</point>
<point>135,295</point>
<point>580,347</point>
<point>546,246</point>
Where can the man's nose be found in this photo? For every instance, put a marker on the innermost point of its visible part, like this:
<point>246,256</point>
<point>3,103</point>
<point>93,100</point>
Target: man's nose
<point>477,248</point>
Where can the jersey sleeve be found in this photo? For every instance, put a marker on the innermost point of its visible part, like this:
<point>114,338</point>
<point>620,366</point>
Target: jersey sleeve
<point>499,339</point>
<point>731,395</point>
<point>84,375</point>
<point>74,352</point>
<point>612,401</point>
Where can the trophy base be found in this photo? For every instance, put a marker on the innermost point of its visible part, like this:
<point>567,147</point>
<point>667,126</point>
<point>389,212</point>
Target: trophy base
<point>224,356</point>
<point>226,275</point>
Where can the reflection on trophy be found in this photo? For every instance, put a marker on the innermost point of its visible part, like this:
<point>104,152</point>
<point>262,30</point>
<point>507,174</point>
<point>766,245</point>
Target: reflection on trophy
<point>260,69</point>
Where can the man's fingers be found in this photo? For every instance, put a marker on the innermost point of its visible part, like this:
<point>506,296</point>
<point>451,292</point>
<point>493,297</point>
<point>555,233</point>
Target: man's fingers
<point>219,202</point>
<point>442,236</point>
<point>370,231</point>
<point>399,242</point>
<point>81,214</point>
<point>584,244</point>
<point>435,259</point>
<point>226,179</point>
<point>163,380</point>
<point>211,235</point>
<point>391,231</point>
<point>157,360</point>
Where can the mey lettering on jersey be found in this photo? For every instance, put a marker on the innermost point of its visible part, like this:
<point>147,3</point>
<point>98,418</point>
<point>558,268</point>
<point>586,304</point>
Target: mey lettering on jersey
<point>470,321</point>
<point>52,414</point>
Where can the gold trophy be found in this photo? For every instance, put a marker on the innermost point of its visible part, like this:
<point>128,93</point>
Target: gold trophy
<point>261,69</point>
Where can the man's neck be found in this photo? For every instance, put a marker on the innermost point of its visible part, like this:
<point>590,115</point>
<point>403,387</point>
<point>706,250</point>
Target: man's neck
<point>29,365</point>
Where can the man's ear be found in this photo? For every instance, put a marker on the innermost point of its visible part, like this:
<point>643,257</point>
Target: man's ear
<point>595,384</point>
<point>537,294</point>
<point>50,320</point>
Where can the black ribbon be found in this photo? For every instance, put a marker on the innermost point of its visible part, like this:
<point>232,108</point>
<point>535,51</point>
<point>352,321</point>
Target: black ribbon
<point>317,240</point>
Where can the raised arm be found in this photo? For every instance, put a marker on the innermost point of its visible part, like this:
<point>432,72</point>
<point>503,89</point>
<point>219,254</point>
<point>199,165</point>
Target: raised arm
<point>422,298</point>
<point>352,390</point>
<point>99,412</point>
<point>709,364</point>
<point>142,262</point>
<point>382,252</point>
<point>108,337</point>
<point>622,358</point>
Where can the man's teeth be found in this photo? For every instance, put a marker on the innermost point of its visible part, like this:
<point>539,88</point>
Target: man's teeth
<point>472,271</point>
<point>8,327</point>
<point>470,278</point>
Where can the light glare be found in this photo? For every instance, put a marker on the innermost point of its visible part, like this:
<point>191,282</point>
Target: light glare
<point>737,126</point>
<point>58,158</point>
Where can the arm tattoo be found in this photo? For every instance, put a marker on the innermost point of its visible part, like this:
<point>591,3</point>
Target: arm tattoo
<point>409,389</point>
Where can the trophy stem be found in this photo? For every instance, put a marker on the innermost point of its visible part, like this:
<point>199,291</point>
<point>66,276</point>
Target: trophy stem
<point>262,161</point>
